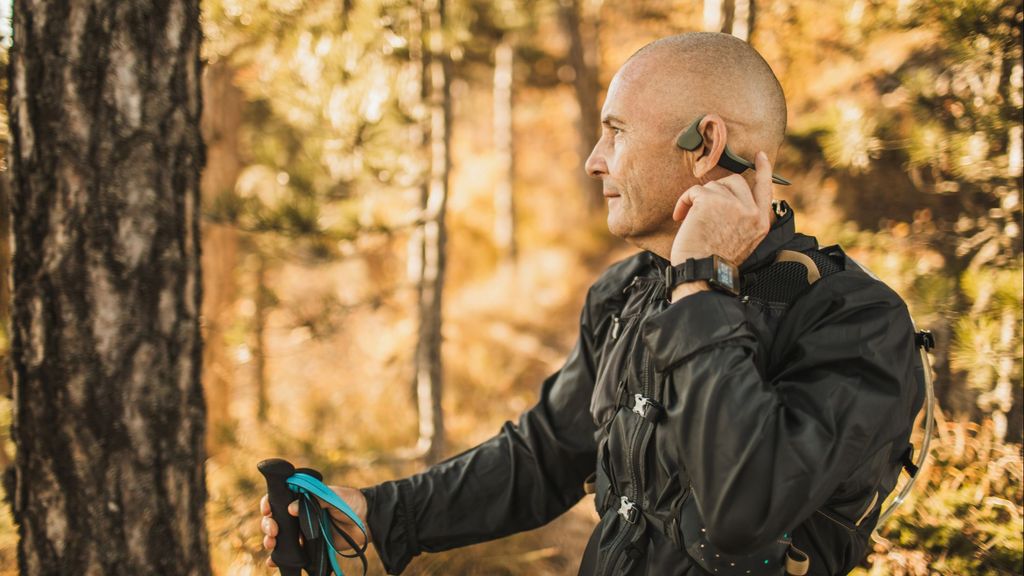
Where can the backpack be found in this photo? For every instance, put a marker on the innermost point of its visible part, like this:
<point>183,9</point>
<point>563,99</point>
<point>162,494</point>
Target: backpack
<point>780,284</point>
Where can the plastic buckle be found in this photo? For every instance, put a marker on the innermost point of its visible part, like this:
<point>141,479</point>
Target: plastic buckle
<point>646,408</point>
<point>924,339</point>
<point>628,510</point>
<point>641,405</point>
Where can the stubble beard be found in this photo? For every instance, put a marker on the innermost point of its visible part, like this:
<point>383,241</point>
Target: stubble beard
<point>640,227</point>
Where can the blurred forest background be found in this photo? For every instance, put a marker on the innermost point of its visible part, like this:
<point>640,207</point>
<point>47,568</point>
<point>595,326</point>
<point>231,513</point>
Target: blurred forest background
<point>398,236</point>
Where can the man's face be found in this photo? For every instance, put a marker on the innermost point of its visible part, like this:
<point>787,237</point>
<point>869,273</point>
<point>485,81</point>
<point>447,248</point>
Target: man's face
<point>642,170</point>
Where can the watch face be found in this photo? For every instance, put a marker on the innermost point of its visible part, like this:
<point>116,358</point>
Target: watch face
<point>724,274</point>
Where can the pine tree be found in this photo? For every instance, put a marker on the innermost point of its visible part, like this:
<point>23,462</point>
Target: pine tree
<point>106,351</point>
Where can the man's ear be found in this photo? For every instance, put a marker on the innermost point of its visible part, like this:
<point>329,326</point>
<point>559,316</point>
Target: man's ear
<point>715,134</point>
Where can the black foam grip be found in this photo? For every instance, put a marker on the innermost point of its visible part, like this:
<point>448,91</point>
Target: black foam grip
<point>288,555</point>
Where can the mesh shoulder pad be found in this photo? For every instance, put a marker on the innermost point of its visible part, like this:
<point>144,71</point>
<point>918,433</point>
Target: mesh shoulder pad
<point>789,276</point>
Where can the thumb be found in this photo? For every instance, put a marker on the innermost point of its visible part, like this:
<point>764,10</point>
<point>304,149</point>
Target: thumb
<point>763,182</point>
<point>683,205</point>
<point>293,508</point>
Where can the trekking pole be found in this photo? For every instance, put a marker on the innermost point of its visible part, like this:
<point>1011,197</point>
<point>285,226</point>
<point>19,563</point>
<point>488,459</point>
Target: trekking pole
<point>288,555</point>
<point>316,553</point>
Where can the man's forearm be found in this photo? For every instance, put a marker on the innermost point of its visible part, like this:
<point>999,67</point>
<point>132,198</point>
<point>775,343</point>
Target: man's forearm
<point>688,288</point>
<point>520,479</point>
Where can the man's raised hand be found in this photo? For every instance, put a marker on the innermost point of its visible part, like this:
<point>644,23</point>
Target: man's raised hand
<point>724,217</point>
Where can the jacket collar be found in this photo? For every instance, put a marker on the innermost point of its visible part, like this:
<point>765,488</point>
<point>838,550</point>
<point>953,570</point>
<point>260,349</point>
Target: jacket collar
<point>781,233</point>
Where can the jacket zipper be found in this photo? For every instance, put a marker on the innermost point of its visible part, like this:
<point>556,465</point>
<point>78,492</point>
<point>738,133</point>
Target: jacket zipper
<point>637,445</point>
<point>646,426</point>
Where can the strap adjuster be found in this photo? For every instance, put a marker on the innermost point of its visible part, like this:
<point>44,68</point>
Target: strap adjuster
<point>907,459</point>
<point>628,510</point>
<point>924,339</point>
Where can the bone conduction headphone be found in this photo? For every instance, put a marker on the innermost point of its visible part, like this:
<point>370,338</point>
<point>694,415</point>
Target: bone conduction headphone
<point>691,139</point>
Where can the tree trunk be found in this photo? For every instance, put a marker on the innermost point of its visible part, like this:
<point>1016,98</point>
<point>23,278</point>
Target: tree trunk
<point>259,345</point>
<point>996,403</point>
<point>734,17</point>
<point>222,117</point>
<point>106,350</point>
<point>504,200</point>
<point>583,59</point>
<point>743,19</point>
<point>728,16</point>
<point>419,66</point>
<point>431,283</point>
<point>713,15</point>
<point>6,460</point>
<point>5,294</point>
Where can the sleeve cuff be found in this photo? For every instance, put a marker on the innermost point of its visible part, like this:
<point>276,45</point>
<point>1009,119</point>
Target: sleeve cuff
<point>692,324</point>
<point>390,519</point>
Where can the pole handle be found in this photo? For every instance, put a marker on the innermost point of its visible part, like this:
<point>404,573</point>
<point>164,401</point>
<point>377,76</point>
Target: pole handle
<point>288,555</point>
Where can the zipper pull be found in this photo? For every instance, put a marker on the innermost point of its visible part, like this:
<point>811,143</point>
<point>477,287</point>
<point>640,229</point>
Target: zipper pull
<point>615,327</point>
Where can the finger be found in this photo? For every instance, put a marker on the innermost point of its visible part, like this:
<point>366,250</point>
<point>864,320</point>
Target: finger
<point>271,564</point>
<point>737,186</point>
<point>293,508</point>
<point>269,543</point>
<point>684,203</point>
<point>763,182</point>
<point>699,193</point>
<point>269,527</point>
<point>265,505</point>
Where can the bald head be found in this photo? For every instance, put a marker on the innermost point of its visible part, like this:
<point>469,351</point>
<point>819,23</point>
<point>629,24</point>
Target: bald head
<point>696,73</point>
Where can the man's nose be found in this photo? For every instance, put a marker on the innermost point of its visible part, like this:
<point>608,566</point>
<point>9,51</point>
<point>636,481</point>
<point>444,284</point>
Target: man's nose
<point>595,165</point>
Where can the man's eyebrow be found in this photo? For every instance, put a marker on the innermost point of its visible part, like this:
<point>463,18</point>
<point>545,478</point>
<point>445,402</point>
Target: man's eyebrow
<point>607,120</point>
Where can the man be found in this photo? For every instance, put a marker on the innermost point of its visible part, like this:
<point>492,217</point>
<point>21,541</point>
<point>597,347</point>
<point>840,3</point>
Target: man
<point>723,434</point>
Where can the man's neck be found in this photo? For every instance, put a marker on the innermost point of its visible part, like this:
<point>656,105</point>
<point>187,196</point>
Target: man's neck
<point>662,244</point>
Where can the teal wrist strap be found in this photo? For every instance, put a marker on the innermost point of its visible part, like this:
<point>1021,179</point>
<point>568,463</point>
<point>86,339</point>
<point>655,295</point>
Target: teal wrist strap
<point>319,527</point>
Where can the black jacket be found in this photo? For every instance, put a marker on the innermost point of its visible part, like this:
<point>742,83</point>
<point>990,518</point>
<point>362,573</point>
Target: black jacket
<point>718,429</point>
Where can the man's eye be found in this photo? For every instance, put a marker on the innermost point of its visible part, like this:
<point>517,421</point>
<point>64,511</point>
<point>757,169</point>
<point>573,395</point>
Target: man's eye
<point>616,130</point>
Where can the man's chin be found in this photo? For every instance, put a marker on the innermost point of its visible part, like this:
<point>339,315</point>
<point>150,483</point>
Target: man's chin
<point>617,227</point>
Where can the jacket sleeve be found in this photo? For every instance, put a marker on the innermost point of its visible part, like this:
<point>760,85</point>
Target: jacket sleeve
<point>520,479</point>
<point>763,455</point>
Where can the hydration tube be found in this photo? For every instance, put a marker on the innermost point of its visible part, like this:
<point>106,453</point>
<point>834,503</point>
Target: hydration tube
<point>929,413</point>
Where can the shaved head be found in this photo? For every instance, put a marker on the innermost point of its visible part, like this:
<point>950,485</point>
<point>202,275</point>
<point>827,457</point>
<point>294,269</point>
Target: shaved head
<point>655,96</point>
<point>703,72</point>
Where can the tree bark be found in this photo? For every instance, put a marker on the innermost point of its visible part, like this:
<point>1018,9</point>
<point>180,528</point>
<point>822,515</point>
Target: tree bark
<point>432,266</point>
<point>504,199</point>
<point>583,59</point>
<point>106,351</point>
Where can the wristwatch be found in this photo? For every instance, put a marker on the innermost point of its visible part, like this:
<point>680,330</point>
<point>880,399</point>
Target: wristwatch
<point>719,273</point>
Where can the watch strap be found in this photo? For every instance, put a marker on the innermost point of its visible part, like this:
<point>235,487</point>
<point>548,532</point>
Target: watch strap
<point>719,273</point>
<point>689,271</point>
